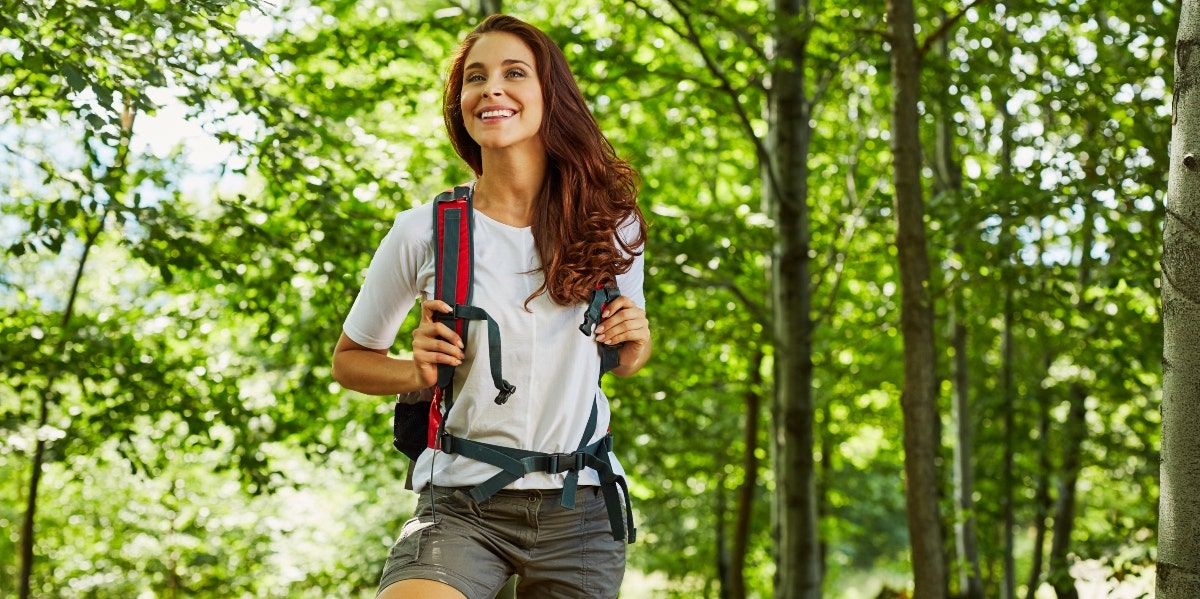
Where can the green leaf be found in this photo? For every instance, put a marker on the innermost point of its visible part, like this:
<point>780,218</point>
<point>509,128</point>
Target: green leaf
<point>74,77</point>
<point>254,51</point>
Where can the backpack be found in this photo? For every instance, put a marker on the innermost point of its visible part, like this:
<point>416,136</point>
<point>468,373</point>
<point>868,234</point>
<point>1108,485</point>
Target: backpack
<point>419,419</point>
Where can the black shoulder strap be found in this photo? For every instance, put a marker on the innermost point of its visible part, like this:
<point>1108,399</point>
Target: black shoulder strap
<point>609,358</point>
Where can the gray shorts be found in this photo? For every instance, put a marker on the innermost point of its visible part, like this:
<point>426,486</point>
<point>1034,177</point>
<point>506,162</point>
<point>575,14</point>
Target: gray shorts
<point>475,547</point>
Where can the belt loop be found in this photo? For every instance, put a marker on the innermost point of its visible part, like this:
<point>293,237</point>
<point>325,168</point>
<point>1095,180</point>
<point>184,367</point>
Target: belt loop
<point>553,465</point>
<point>579,457</point>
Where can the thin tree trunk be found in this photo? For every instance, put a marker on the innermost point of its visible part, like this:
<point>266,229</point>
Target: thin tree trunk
<point>798,567</point>
<point>1179,495</point>
<point>1008,574</point>
<point>1075,429</point>
<point>1008,584</point>
<point>29,523</point>
<point>725,576</point>
<point>970,581</point>
<point>114,182</point>
<point>1074,434</point>
<point>1041,496</point>
<point>919,398</point>
<point>969,578</point>
<point>749,488</point>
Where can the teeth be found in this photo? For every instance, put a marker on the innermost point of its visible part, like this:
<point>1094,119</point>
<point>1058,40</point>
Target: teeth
<point>495,113</point>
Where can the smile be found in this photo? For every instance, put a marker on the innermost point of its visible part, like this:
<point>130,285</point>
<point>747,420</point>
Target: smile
<point>493,114</point>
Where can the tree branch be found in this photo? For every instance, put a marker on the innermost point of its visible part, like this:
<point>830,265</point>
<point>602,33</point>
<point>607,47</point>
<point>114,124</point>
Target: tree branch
<point>693,37</point>
<point>943,30</point>
<point>837,260</point>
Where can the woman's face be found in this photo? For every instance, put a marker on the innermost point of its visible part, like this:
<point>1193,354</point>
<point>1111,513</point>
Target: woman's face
<point>501,94</point>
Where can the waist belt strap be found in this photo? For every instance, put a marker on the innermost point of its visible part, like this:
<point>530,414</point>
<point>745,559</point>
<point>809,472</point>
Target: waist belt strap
<point>516,463</point>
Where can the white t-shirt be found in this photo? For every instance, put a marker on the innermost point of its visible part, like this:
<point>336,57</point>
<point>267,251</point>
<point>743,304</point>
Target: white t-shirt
<point>554,367</point>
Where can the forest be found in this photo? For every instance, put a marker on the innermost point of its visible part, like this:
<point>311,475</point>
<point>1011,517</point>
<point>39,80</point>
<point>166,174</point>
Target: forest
<point>905,273</point>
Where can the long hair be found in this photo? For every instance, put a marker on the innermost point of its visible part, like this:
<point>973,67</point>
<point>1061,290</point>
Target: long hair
<point>589,192</point>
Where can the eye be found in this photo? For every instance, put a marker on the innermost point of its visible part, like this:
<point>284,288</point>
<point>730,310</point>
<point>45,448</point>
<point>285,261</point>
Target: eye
<point>515,73</point>
<point>473,77</point>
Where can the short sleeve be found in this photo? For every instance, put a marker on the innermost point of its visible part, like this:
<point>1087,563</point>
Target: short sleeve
<point>395,279</point>
<point>631,282</point>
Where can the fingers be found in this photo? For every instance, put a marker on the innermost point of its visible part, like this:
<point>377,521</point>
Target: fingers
<point>434,342</point>
<point>623,322</point>
<point>437,343</point>
<point>428,307</point>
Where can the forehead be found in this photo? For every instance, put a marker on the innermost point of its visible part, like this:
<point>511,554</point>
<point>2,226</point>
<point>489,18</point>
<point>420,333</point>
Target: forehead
<point>496,48</point>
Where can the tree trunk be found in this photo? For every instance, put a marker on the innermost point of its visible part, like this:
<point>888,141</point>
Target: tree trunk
<point>1074,434</point>
<point>746,494</point>
<point>919,398</point>
<point>724,575</point>
<point>1075,429</point>
<point>1008,573</point>
<point>29,523</point>
<point>1041,496</point>
<point>1179,494</point>
<point>113,182</point>
<point>970,583</point>
<point>798,567</point>
<point>1008,584</point>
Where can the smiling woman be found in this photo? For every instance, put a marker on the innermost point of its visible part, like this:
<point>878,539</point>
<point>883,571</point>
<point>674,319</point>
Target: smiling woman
<point>557,227</point>
<point>501,98</point>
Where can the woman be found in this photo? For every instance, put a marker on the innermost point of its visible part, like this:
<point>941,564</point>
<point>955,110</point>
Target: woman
<point>555,218</point>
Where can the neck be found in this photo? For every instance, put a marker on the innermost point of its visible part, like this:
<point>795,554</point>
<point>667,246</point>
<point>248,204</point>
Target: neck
<point>509,186</point>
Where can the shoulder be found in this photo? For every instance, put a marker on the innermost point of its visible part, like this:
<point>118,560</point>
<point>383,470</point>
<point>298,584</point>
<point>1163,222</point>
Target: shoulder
<point>415,222</point>
<point>412,231</point>
<point>630,231</point>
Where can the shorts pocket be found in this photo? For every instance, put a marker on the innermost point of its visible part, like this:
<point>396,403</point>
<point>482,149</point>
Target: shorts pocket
<point>407,548</point>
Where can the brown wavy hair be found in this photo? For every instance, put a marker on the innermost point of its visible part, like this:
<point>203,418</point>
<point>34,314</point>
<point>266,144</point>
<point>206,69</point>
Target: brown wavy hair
<point>588,192</point>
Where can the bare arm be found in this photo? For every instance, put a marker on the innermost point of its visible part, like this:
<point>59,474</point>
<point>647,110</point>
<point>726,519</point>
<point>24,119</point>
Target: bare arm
<point>373,372</point>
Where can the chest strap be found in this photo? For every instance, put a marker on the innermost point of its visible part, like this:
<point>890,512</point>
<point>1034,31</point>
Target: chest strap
<point>516,463</point>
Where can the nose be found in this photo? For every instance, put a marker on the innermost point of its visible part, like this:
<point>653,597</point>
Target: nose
<point>492,90</point>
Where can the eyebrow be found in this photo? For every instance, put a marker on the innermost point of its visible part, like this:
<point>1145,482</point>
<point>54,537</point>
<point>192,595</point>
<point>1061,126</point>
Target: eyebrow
<point>507,62</point>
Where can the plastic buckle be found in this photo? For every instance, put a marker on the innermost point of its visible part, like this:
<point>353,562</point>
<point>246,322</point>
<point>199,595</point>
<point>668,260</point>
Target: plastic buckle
<point>555,460</point>
<point>502,397</point>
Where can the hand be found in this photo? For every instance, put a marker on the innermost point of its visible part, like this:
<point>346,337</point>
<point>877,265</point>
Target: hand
<point>625,323</point>
<point>435,343</point>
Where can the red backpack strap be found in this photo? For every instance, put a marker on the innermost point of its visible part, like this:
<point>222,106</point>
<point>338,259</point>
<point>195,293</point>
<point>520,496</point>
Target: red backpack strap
<point>453,221</point>
<point>454,256</point>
